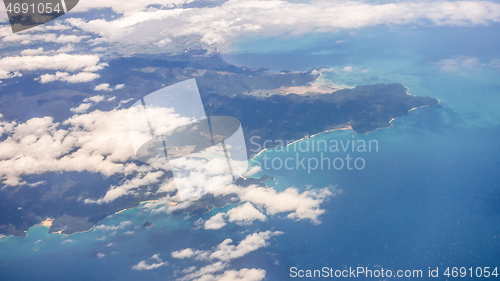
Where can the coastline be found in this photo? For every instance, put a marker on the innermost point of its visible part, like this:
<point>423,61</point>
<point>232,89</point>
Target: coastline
<point>317,86</point>
<point>346,126</point>
<point>48,221</point>
<point>116,213</point>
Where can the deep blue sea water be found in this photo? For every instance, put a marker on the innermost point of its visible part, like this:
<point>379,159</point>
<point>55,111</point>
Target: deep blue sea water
<point>429,197</point>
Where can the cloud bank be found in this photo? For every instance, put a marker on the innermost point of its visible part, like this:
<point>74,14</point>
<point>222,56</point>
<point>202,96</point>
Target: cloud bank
<point>163,26</point>
<point>234,19</point>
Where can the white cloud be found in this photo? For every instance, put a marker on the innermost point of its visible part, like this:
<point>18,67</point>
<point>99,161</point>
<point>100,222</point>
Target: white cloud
<point>202,273</point>
<point>96,142</point>
<point>84,64</point>
<point>127,188</point>
<point>103,87</point>
<point>104,227</point>
<point>66,77</point>
<point>42,34</point>
<point>244,274</point>
<point>305,205</point>
<point>66,49</point>
<point>95,99</point>
<point>182,254</point>
<point>63,39</point>
<point>296,205</point>
<point>215,222</point>
<point>245,214</point>
<point>55,26</point>
<point>100,142</point>
<point>106,87</point>
<point>458,63</point>
<point>221,255</point>
<point>197,173</point>
<point>7,75</point>
<point>154,262</point>
<point>465,64</point>
<point>126,7</point>
<point>322,70</point>
<point>252,171</point>
<point>122,102</point>
<point>32,52</point>
<point>220,25</point>
<point>89,102</point>
<point>226,251</point>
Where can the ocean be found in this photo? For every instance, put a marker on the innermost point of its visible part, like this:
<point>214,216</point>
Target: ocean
<point>428,197</point>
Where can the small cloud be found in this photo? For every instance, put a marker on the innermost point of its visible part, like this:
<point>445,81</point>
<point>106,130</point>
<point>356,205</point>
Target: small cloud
<point>182,254</point>
<point>322,70</point>
<point>100,255</point>
<point>215,222</point>
<point>88,103</point>
<point>122,225</point>
<point>106,87</point>
<point>460,64</point>
<point>244,274</point>
<point>95,99</point>
<point>66,77</point>
<point>254,170</point>
<point>124,102</point>
<point>220,257</point>
<point>82,65</point>
<point>154,262</point>
<point>245,214</point>
<point>82,108</point>
<point>66,49</point>
<point>31,52</point>
<point>226,251</point>
<point>102,87</point>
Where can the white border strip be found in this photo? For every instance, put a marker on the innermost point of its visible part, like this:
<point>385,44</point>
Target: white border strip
<point>64,6</point>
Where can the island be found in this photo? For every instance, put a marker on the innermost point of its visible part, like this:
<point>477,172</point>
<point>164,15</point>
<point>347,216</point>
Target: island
<point>225,89</point>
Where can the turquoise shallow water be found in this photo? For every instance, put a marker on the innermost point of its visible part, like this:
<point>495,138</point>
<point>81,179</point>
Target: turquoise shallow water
<point>428,197</point>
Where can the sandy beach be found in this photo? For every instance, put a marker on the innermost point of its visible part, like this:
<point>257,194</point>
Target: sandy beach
<point>47,222</point>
